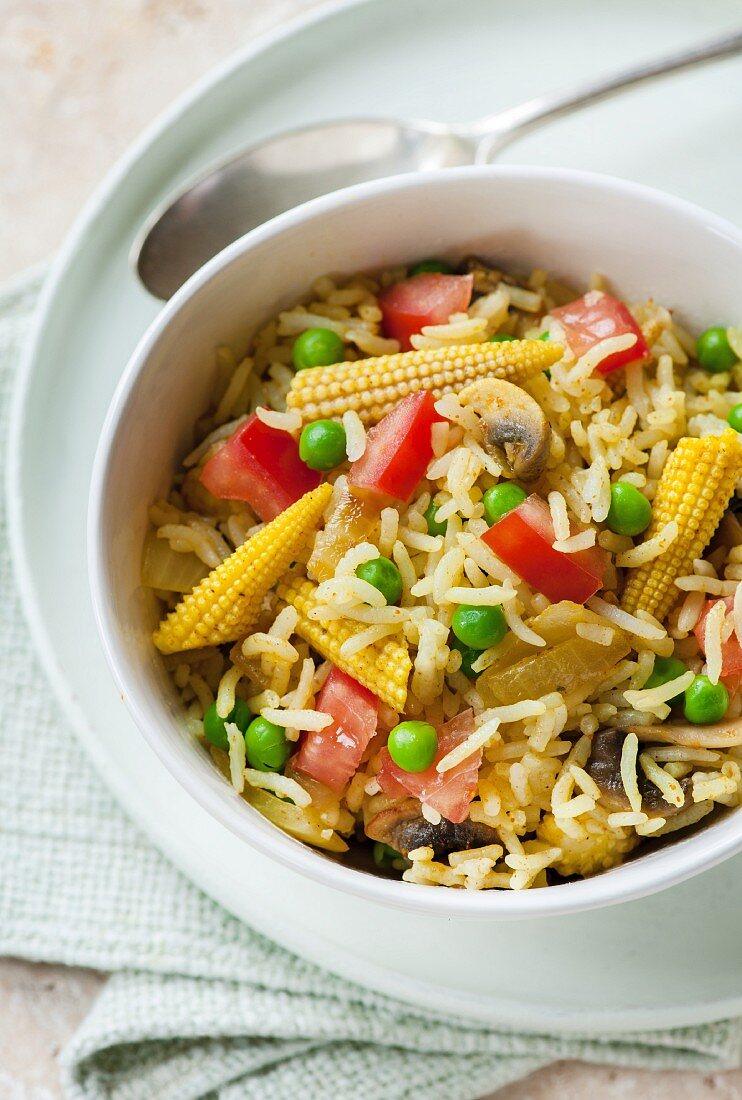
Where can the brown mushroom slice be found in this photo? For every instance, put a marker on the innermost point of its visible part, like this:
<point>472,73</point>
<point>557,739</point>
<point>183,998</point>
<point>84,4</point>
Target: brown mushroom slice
<point>403,828</point>
<point>513,422</point>
<point>486,278</point>
<point>722,735</point>
<point>604,766</point>
<point>729,532</point>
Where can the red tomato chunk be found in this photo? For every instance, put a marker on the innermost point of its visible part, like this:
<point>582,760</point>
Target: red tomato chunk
<point>731,651</point>
<point>427,299</point>
<point>449,793</point>
<point>398,450</point>
<point>596,317</point>
<point>332,755</point>
<point>260,465</point>
<point>523,539</point>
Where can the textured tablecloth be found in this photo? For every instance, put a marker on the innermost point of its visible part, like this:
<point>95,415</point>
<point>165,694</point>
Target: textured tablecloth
<point>199,1005</point>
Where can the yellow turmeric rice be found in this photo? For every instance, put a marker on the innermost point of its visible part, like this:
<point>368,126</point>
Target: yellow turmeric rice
<point>451,578</point>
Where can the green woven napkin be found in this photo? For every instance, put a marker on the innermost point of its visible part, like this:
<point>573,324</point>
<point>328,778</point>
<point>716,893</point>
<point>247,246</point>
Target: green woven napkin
<point>80,884</point>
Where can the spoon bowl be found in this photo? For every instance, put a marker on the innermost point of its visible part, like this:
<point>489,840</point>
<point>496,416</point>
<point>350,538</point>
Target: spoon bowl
<point>279,174</point>
<point>282,172</point>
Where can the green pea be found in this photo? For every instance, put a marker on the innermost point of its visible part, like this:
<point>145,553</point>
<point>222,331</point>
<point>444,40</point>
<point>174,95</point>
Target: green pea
<point>266,745</point>
<point>434,527</point>
<point>545,336</point>
<point>322,444</point>
<point>735,418</point>
<point>664,670</point>
<point>425,267</point>
<point>705,702</point>
<point>713,350</point>
<point>501,338</point>
<point>630,512</point>
<point>479,627</point>
<point>317,347</point>
<point>214,726</point>
<point>501,499</point>
<point>385,855</point>
<point>384,575</point>
<point>413,745</point>
<point>468,656</point>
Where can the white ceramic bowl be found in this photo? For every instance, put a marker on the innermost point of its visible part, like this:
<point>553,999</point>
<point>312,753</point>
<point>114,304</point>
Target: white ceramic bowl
<point>571,223</point>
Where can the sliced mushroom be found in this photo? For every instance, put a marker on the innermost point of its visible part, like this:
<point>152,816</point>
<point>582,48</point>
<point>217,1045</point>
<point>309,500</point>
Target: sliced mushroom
<point>403,828</point>
<point>513,422</point>
<point>729,532</point>
<point>486,278</point>
<point>722,735</point>
<point>604,766</point>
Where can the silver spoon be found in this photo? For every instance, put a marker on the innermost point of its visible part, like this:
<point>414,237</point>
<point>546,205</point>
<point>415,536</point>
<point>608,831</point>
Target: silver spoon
<point>246,190</point>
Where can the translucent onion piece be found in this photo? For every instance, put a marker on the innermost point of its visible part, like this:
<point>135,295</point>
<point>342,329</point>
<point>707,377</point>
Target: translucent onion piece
<point>302,824</point>
<point>350,523</point>
<point>555,624</point>
<point>577,663</point>
<point>165,568</point>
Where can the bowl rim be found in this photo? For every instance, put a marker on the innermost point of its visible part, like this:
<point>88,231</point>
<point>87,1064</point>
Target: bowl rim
<point>647,874</point>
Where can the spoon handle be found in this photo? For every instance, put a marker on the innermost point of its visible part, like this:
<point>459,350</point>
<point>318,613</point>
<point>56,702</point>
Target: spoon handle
<point>496,131</point>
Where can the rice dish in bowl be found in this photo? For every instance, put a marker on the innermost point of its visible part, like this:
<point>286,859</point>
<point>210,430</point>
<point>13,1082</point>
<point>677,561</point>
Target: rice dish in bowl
<point>485,623</point>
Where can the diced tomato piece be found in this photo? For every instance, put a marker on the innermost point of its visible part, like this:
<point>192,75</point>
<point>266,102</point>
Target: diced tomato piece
<point>596,317</point>
<point>449,793</point>
<point>260,465</point>
<point>398,450</point>
<point>427,299</point>
<point>523,540</point>
<point>731,651</point>
<point>332,755</point>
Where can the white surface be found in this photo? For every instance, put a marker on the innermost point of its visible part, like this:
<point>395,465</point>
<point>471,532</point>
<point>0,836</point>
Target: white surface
<point>92,325</point>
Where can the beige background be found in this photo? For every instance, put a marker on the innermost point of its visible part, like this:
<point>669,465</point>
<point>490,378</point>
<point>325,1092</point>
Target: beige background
<point>78,80</point>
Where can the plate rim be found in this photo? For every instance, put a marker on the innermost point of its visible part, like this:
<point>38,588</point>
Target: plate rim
<point>507,1013</point>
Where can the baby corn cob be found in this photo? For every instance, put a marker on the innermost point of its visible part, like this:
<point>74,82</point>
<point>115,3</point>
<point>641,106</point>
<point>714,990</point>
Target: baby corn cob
<point>694,490</point>
<point>372,387</point>
<point>600,851</point>
<point>383,667</point>
<point>227,602</point>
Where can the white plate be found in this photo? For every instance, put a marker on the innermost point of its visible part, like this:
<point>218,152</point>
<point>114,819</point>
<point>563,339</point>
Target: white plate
<point>661,961</point>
